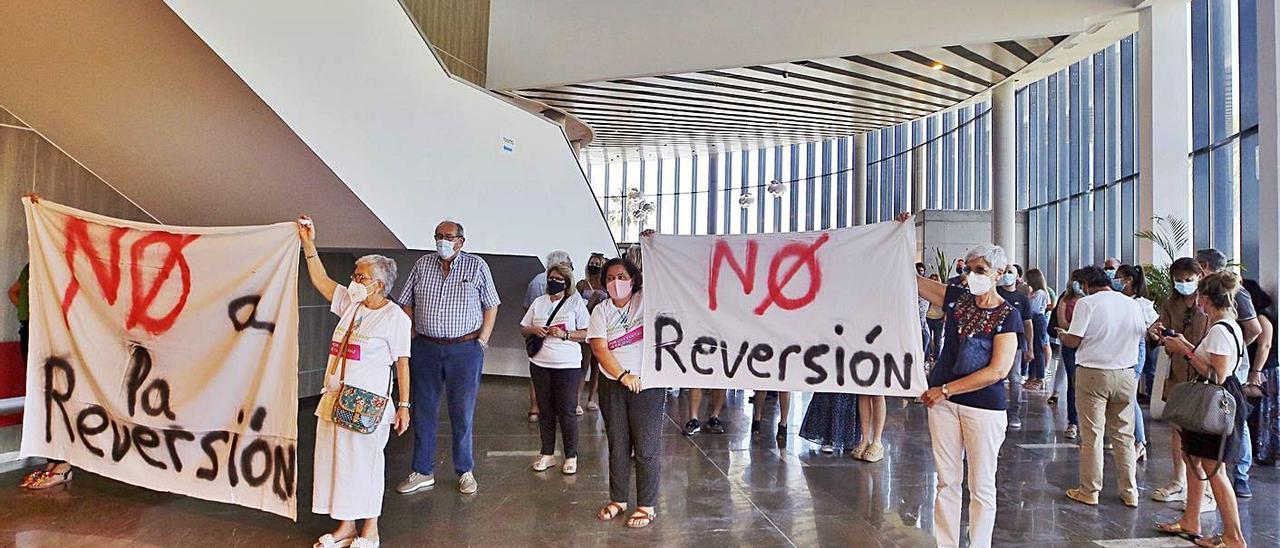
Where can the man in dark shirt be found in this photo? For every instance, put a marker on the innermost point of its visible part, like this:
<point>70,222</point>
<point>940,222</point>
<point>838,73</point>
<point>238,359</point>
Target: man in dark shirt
<point>1009,292</point>
<point>959,271</point>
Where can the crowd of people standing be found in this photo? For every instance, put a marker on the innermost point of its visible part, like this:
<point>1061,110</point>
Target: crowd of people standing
<point>988,334</point>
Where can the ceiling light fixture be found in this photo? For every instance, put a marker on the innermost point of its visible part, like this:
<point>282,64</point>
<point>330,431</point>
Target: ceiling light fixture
<point>936,66</point>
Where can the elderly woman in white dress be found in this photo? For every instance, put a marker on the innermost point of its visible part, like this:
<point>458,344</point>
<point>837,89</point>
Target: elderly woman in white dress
<point>369,346</point>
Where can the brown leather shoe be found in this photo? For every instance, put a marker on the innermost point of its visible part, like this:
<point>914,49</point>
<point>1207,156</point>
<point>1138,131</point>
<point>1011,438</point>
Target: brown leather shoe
<point>1079,495</point>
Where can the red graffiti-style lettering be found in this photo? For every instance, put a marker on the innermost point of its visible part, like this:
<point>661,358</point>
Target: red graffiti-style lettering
<point>107,271</point>
<point>139,312</point>
<point>746,275</point>
<point>806,255</point>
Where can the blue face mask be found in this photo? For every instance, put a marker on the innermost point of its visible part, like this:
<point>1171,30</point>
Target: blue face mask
<point>1185,288</point>
<point>1111,273</point>
<point>1008,279</point>
<point>1076,288</point>
<point>1117,285</point>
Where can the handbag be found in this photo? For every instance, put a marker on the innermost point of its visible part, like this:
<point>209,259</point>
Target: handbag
<point>1204,406</point>
<point>974,354</point>
<point>533,343</point>
<point>355,408</point>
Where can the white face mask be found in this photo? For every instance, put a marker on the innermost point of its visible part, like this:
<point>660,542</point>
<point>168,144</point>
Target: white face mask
<point>445,249</point>
<point>980,284</point>
<point>357,291</point>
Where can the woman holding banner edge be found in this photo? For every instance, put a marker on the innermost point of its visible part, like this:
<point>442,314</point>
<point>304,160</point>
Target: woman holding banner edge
<point>349,466</point>
<point>632,415</point>
<point>966,398</point>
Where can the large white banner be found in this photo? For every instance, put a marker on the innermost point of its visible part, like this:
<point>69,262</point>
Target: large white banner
<point>831,311</point>
<point>165,357</point>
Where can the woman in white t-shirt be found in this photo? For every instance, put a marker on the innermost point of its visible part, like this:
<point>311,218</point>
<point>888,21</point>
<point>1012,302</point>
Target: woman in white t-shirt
<point>632,416</point>
<point>556,370</point>
<point>370,343</point>
<point>1216,358</point>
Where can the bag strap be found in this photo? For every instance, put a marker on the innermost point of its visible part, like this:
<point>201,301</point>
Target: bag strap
<point>1239,351</point>
<point>342,348</point>
<point>555,311</point>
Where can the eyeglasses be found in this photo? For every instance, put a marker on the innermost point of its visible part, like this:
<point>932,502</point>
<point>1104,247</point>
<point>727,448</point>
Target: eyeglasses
<point>360,278</point>
<point>448,237</point>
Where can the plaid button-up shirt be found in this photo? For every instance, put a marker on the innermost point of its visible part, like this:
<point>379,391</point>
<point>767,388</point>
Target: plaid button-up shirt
<point>452,307</point>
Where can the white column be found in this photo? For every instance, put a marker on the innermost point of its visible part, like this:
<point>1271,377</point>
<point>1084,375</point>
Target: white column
<point>860,179</point>
<point>918,173</point>
<point>1004,150</point>
<point>1268,145</point>
<point>1164,119</point>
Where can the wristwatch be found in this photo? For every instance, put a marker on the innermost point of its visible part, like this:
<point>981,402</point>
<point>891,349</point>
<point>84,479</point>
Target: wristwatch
<point>403,404</point>
<point>945,392</point>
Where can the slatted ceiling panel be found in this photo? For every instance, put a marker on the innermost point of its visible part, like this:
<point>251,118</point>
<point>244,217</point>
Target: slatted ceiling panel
<point>923,93</point>
<point>635,99</point>
<point>785,103</point>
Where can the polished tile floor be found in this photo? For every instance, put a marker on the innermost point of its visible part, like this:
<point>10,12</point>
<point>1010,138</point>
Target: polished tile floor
<point>717,490</point>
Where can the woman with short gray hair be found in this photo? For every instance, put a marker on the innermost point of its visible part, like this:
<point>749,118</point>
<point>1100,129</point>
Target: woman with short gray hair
<point>369,345</point>
<point>967,398</point>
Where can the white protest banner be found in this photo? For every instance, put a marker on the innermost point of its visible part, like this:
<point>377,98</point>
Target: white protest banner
<point>165,357</point>
<point>832,311</point>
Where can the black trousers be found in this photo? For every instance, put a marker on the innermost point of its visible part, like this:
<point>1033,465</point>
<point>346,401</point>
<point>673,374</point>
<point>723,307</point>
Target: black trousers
<point>24,338</point>
<point>633,423</point>
<point>557,393</point>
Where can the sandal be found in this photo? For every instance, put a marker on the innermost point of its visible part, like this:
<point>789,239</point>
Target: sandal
<point>641,518</point>
<point>49,479</point>
<point>570,466</point>
<point>1170,493</point>
<point>328,541</point>
<point>533,417</point>
<point>1176,530</point>
<point>32,478</point>
<point>1215,542</point>
<point>366,542</point>
<point>611,511</point>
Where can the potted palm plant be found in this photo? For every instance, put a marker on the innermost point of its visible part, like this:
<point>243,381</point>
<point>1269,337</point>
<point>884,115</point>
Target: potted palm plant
<point>1171,234</point>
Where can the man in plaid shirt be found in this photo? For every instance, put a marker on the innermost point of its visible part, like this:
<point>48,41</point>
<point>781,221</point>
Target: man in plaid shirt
<point>451,298</point>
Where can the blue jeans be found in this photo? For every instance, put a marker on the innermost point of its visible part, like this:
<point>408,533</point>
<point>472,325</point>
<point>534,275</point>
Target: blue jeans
<point>452,369</point>
<point>1015,386</point>
<point>1069,361</point>
<point>1240,474</point>
<point>1040,326</point>
<point>1139,429</point>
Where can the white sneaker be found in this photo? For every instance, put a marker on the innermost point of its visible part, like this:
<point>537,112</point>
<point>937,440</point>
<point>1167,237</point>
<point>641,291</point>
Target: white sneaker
<point>1072,432</point>
<point>828,449</point>
<point>467,484</point>
<point>543,462</point>
<point>414,482</point>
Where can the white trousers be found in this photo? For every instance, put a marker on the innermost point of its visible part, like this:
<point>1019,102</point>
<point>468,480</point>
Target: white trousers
<point>349,471</point>
<point>961,433</point>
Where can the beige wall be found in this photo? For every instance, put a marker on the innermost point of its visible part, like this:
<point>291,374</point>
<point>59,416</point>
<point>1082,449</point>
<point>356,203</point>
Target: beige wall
<point>458,31</point>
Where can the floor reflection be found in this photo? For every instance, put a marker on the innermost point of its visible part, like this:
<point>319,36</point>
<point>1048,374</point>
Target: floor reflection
<point>734,489</point>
